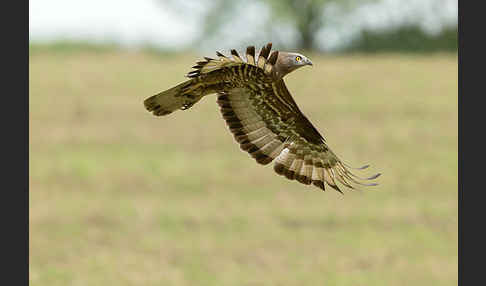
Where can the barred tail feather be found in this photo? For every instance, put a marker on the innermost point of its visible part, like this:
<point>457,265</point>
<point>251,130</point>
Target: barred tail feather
<point>181,96</point>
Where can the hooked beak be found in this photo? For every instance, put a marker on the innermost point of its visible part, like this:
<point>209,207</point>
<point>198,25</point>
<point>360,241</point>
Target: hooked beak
<point>308,62</point>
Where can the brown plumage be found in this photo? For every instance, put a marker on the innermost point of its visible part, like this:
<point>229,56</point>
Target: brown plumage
<point>262,115</point>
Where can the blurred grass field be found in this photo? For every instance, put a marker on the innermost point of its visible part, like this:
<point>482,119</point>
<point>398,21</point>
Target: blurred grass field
<point>120,197</point>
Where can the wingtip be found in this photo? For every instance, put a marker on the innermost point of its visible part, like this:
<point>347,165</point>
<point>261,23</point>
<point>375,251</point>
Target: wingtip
<point>374,176</point>
<point>234,53</point>
<point>273,58</point>
<point>265,51</point>
<point>356,168</point>
<point>250,50</point>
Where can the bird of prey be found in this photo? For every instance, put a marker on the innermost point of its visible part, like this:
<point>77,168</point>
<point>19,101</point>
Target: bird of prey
<point>262,115</point>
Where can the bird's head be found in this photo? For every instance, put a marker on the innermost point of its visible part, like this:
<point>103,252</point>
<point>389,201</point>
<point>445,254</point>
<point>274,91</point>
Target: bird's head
<point>288,62</point>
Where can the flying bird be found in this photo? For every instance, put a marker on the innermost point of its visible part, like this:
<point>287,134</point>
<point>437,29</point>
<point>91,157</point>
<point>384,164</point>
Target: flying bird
<point>262,115</point>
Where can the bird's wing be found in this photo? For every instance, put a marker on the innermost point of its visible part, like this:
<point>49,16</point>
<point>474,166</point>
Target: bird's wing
<point>268,129</point>
<point>211,66</point>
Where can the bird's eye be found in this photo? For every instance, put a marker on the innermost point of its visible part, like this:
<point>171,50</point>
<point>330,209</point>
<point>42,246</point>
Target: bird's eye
<point>298,58</point>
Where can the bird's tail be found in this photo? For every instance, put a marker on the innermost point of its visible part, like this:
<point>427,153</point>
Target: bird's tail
<point>181,96</point>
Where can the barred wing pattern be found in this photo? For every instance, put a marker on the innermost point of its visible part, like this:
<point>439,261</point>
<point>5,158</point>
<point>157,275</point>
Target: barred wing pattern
<point>266,122</point>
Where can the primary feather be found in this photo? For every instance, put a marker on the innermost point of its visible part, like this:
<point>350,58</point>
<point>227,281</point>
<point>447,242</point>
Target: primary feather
<point>261,114</point>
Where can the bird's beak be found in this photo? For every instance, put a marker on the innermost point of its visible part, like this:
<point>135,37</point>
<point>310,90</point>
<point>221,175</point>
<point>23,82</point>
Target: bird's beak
<point>308,62</point>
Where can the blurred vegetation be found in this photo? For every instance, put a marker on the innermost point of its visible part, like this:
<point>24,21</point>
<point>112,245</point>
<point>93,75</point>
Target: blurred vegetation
<point>407,38</point>
<point>307,18</point>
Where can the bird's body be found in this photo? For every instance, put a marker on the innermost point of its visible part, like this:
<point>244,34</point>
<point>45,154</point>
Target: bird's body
<point>261,114</point>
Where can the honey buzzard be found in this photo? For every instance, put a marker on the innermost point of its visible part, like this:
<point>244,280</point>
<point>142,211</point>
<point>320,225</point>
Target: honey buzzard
<point>262,115</point>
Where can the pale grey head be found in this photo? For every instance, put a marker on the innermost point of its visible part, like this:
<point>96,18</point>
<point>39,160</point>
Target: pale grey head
<point>288,62</point>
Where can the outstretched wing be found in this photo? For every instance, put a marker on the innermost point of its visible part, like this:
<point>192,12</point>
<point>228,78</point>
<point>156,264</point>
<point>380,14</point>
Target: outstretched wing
<point>268,129</point>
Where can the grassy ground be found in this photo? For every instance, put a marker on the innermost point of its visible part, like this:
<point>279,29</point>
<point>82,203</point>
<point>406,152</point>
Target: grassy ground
<point>120,197</point>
